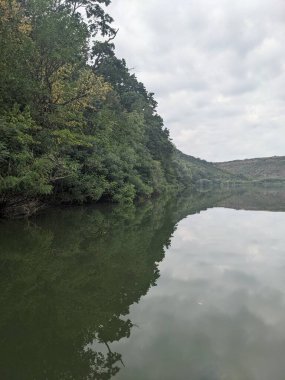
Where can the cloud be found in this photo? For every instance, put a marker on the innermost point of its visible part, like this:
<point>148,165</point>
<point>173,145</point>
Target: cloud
<point>217,69</point>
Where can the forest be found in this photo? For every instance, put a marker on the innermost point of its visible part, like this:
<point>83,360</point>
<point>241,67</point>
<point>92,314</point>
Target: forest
<point>76,125</point>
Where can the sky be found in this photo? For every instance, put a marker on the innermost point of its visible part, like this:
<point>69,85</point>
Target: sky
<point>217,68</point>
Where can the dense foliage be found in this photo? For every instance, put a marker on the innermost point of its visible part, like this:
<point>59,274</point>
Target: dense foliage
<point>75,124</point>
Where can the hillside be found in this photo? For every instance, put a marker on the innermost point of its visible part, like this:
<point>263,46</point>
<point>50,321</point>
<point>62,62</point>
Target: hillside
<point>76,125</point>
<point>271,168</point>
<point>200,170</point>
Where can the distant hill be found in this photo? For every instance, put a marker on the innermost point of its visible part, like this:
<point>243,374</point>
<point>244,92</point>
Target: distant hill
<point>271,168</point>
<point>201,170</point>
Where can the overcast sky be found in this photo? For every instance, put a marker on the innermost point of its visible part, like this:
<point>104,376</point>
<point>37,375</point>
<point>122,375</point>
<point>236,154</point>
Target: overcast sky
<point>217,68</point>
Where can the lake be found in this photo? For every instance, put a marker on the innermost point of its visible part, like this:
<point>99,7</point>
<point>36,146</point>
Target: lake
<point>190,287</point>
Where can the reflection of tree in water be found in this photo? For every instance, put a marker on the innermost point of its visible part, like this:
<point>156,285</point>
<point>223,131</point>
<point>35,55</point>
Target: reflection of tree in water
<point>256,198</point>
<point>68,279</point>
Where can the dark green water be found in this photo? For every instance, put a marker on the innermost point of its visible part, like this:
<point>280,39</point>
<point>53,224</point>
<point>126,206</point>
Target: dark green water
<point>188,288</point>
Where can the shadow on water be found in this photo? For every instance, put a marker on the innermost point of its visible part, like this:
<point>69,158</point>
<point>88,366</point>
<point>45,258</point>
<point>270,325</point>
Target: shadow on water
<point>69,277</point>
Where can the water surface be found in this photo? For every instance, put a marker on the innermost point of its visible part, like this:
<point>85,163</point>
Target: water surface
<point>185,288</point>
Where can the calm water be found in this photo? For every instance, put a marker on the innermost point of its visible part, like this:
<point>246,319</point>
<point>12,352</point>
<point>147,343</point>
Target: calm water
<point>190,288</point>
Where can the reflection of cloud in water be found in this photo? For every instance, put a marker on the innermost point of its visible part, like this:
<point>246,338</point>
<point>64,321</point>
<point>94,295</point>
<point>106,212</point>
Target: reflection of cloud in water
<point>185,235</point>
<point>254,253</point>
<point>218,311</point>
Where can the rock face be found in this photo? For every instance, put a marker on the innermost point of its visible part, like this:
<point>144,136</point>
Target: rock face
<point>271,168</point>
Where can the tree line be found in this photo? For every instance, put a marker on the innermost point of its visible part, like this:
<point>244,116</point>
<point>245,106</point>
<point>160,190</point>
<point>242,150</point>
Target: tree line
<point>76,125</point>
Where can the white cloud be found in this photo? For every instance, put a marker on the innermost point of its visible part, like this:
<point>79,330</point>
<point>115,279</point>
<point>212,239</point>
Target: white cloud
<point>216,67</point>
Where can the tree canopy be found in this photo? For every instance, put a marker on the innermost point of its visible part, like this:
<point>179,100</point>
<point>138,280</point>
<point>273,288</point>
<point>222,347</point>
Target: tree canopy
<point>76,125</point>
